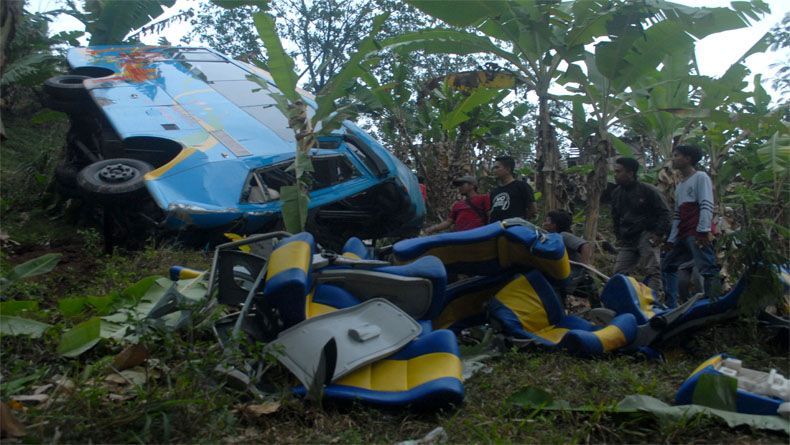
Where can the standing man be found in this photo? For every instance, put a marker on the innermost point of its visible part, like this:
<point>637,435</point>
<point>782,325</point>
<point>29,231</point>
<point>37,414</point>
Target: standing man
<point>691,226</point>
<point>641,220</point>
<point>467,213</point>
<point>511,198</point>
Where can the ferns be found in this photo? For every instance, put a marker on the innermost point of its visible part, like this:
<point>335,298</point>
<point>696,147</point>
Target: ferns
<point>24,71</point>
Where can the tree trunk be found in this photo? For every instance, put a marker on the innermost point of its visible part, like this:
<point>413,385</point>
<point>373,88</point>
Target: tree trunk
<point>10,15</point>
<point>441,163</point>
<point>596,184</point>
<point>547,158</point>
<point>295,210</point>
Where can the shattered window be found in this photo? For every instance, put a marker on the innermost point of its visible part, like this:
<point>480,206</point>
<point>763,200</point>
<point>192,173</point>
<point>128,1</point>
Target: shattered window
<point>265,183</point>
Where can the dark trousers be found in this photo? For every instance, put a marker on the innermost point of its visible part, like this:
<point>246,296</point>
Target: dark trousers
<point>704,261</point>
<point>640,254</point>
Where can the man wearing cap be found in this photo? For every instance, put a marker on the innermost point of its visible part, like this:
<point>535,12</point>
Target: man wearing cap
<point>467,213</point>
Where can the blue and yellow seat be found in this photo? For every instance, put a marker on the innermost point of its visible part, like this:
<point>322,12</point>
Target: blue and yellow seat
<point>426,373</point>
<point>745,401</point>
<point>527,308</point>
<point>289,282</point>
<point>466,302</point>
<point>354,248</point>
<point>491,250</point>
<point>625,295</point>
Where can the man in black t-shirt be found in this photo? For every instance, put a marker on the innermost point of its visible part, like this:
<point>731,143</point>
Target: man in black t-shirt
<point>511,198</point>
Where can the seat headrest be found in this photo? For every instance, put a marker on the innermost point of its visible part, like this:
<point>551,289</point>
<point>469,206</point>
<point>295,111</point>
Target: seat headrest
<point>288,278</point>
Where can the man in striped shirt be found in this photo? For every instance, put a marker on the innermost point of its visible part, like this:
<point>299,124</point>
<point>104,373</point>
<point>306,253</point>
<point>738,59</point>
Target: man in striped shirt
<point>691,237</point>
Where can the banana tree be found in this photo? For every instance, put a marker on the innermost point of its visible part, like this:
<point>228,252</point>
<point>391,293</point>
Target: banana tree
<point>615,75</point>
<point>446,128</point>
<point>722,116</point>
<point>535,37</point>
<point>109,21</point>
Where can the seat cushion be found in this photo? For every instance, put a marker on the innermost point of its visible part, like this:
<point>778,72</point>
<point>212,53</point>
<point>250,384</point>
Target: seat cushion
<point>424,374</point>
<point>528,307</point>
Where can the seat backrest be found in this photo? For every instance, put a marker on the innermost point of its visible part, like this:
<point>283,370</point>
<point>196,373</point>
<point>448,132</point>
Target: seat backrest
<point>470,252</point>
<point>236,275</point>
<point>417,288</point>
<point>356,249</point>
<point>431,269</point>
<point>491,250</point>
<point>527,302</point>
<point>524,248</point>
<point>288,278</point>
<point>626,295</point>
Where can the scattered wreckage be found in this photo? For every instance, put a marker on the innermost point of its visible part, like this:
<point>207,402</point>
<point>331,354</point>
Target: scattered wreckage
<point>355,328</point>
<point>186,139</point>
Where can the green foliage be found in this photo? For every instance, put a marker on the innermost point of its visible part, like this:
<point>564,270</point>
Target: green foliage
<point>775,153</point>
<point>135,317</point>
<point>716,391</point>
<point>14,307</point>
<point>460,114</point>
<point>280,64</point>
<point>229,31</point>
<point>109,21</point>
<point>31,268</point>
<point>294,207</point>
<point>29,55</point>
<point>11,325</point>
<point>80,338</point>
<point>755,253</point>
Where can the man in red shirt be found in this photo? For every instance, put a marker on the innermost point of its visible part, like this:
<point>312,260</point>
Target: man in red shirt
<point>467,213</point>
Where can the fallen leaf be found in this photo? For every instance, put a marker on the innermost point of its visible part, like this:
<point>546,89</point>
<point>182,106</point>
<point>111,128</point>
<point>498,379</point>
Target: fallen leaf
<point>117,379</point>
<point>259,410</point>
<point>42,389</point>
<point>135,376</point>
<point>9,425</point>
<point>120,397</point>
<point>65,384</point>
<point>130,357</point>
<point>34,398</point>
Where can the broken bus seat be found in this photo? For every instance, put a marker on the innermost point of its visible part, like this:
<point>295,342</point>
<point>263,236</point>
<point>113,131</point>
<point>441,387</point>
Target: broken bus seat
<point>418,288</point>
<point>625,295</point>
<point>760,393</point>
<point>466,300</point>
<point>425,373</point>
<point>356,249</point>
<point>527,308</point>
<point>492,250</point>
